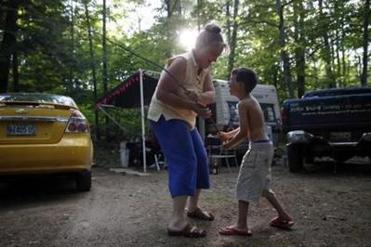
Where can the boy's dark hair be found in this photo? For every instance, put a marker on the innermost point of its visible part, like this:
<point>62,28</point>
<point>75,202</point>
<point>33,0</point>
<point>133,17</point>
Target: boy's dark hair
<point>247,76</point>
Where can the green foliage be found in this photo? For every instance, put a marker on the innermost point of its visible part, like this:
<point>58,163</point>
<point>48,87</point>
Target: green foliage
<point>53,48</point>
<point>88,111</point>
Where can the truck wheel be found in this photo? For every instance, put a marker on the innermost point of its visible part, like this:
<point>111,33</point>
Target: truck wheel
<point>341,158</point>
<point>295,157</point>
<point>309,159</point>
<point>83,181</point>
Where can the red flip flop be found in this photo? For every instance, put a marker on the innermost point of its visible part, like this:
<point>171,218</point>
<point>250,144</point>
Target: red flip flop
<point>283,224</point>
<point>231,231</point>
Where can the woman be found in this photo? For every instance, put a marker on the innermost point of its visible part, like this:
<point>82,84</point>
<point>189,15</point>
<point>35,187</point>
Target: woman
<point>183,92</point>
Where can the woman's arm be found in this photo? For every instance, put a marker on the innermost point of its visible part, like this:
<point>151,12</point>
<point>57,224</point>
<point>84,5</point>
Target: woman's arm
<point>207,97</point>
<point>170,92</point>
<point>242,133</point>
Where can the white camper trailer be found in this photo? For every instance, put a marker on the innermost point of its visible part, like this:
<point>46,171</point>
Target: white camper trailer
<point>226,112</point>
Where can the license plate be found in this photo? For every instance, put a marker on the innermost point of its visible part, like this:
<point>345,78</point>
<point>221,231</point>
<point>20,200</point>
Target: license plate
<point>21,130</point>
<point>340,136</point>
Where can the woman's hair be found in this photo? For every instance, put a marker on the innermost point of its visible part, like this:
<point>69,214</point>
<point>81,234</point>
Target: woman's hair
<point>247,77</point>
<point>210,36</point>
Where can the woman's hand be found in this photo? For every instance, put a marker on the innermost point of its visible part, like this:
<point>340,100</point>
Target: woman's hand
<point>201,110</point>
<point>192,96</point>
<point>186,94</point>
<point>203,99</point>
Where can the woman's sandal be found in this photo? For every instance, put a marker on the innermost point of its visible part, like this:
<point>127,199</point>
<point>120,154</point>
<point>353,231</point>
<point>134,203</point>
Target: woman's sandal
<point>201,215</point>
<point>283,224</point>
<point>188,231</point>
<point>232,231</point>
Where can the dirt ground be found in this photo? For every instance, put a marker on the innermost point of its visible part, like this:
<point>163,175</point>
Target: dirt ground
<point>330,209</point>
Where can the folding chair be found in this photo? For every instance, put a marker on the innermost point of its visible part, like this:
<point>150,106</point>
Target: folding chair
<point>217,154</point>
<point>157,156</point>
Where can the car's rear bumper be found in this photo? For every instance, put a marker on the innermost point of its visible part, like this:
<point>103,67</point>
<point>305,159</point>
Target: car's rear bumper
<point>73,153</point>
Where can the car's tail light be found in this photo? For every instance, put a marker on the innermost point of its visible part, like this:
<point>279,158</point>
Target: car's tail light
<point>77,123</point>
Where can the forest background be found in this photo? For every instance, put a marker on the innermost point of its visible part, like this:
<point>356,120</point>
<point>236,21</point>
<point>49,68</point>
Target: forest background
<point>79,47</point>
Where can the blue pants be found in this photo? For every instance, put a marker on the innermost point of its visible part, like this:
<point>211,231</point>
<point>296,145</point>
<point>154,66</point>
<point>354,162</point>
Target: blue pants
<point>185,155</point>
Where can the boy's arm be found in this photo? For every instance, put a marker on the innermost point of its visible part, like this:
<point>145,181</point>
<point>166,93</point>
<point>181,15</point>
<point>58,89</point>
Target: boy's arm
<point>242,133</point>
<point>234,132</point>
<point>225,136</point>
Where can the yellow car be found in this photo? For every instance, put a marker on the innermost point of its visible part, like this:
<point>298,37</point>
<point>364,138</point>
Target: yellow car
<point>44,133</point>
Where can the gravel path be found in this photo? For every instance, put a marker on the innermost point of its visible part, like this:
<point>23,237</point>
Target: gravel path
<point>330,209</point>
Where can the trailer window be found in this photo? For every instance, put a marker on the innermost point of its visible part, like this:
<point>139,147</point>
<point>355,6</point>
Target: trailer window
<point>268,111</point>
<point>234,118</point>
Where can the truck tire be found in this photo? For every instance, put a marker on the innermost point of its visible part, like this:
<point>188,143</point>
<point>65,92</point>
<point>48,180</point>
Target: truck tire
<point>83,181</point>
<point>295,157</point>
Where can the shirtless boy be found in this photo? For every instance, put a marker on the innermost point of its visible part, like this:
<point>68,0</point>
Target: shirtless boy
<point>254,177</point>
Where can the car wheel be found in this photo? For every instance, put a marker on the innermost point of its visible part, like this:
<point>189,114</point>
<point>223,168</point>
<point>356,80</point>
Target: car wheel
<point>83,181</point>
<point>295,157</point>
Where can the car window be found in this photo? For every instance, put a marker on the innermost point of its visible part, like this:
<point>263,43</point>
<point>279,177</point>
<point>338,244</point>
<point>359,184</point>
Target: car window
<point>38,98</point>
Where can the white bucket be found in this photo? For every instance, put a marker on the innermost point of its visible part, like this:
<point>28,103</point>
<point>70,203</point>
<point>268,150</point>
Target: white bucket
<point>124,155</point>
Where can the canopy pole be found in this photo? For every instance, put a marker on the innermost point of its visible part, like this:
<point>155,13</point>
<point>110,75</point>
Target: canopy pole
<point>143,121</point>
<point>100,107</point>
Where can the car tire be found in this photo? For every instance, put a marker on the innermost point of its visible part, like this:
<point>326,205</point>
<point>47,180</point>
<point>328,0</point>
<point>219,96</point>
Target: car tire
<point>83,181</point>
<point>309,159</point>
<point>295,157</point>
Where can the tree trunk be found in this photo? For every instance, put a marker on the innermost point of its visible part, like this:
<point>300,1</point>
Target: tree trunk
<point>105,69</point>
<point>339,79</point>
<point>339,12</point>
<point>8,44</point>
<point>284,55</point>
<point>330,79</point>
<point>172,6</point>
<point>168,31</point>
<point>1,16</point>
<point>233,41</point>
<point>72,85</point>
<point>15,72</point>
<point>343,60</point>
<point>92,59</point>
<point>332,61</point>
<point>199,3</point>
<point>104,46</point>
<point>366,20</point>
<point>228,18</point>
<point>274,72</point>
<point>299,16</point>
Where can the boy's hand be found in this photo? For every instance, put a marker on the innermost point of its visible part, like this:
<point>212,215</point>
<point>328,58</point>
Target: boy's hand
<point>226,145</point>
<point>223,136</point>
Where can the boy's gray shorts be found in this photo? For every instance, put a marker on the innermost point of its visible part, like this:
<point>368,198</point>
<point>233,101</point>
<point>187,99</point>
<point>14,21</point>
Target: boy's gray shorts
<point>255,172</point>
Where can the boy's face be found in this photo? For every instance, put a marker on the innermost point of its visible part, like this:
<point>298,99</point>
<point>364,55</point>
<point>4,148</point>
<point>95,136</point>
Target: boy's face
<point>234,86</point>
